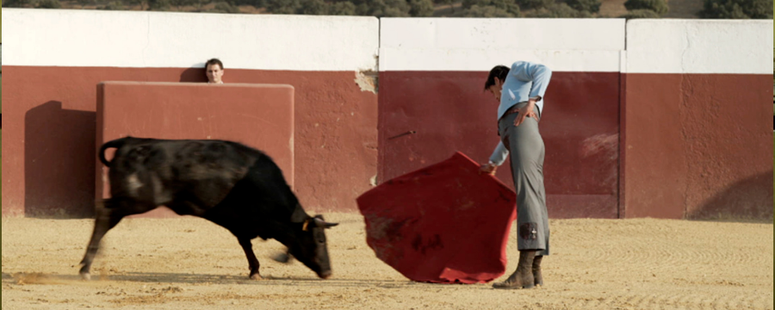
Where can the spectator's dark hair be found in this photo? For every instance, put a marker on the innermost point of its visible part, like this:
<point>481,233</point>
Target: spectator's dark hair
<point>214,61</point>
<point>500,72</point>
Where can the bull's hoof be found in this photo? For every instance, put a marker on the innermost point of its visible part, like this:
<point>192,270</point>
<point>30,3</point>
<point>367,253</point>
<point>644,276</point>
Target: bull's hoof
<point>256,276</point>
<point>85,276</point>
<point>282,258</point>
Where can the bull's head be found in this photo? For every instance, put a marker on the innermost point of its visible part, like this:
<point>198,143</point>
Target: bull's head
<point>310,246</point>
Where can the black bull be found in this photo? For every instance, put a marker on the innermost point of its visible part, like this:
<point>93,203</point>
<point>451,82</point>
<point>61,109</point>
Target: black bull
<point>230,184</point>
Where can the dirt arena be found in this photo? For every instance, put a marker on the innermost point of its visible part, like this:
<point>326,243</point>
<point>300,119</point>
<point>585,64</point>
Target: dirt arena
<point>189,263</point>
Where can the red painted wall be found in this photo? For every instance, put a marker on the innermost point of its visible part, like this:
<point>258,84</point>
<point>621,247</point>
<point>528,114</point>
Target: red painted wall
<point>449,111</point>
<point>693,145</point>
<point>50,129</point>
<point>257,115</point>
<point>698,146</point>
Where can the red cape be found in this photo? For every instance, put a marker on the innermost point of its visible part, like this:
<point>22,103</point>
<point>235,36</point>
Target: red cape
<point>445,223</point>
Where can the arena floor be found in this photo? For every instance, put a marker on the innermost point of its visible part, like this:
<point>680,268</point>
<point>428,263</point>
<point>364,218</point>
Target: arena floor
<point>189,263</point>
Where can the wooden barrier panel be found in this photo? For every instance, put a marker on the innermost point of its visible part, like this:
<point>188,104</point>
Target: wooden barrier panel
<point>257,115</point>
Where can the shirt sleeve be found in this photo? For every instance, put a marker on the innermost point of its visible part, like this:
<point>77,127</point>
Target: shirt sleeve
<point>539,74</point>
<point>499,155</point>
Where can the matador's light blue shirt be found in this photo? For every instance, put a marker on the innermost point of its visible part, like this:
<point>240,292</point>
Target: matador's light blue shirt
<point>525,80</point>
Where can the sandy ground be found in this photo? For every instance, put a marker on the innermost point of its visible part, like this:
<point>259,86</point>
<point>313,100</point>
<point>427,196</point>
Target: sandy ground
<point>189,263</point>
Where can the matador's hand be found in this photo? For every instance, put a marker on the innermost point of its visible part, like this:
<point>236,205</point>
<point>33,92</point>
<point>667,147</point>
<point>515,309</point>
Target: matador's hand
<point>526,111</point>
<point>488,168</point>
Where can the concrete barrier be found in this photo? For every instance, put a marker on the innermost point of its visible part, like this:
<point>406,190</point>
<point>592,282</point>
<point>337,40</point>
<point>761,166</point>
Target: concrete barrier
<point>698,142</point>
<point>54,60</point>
<point>661,118</point>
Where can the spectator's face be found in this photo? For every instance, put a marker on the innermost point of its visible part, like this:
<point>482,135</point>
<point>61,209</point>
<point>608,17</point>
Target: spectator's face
<point>214,73</point>
<point>496,88</point>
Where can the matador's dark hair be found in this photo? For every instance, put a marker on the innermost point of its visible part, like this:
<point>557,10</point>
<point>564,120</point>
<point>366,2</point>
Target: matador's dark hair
<point>501,72</point>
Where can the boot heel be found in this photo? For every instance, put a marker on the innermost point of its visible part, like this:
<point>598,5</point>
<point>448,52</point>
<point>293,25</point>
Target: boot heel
<point>523,276</point>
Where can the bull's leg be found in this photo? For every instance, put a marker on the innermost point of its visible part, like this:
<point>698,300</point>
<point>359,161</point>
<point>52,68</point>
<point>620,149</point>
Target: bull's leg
<point>106,218</point>
<point>247,246</point>
<point>104,221</point>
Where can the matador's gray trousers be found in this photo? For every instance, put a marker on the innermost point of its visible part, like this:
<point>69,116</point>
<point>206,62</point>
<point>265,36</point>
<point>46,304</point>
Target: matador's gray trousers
<point>526,150</point>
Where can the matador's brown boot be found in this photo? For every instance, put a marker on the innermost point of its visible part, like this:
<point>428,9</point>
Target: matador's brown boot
<point>539,280</point>
<point>523,276</point>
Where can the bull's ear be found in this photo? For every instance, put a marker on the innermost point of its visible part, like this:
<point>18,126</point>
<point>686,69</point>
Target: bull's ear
<point>299,215</point>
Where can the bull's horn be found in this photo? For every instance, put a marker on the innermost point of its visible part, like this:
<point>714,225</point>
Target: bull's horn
<point>324,224</point>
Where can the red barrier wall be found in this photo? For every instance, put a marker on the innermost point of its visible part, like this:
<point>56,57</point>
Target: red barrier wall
<point>257,115</point>
<point>698,146</point>
<point>50,127</point>
<point>449,111</point>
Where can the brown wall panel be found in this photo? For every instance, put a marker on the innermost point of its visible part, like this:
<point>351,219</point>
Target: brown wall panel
<point>698,146</point>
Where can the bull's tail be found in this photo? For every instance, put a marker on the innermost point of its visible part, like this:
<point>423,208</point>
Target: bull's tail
<point>111,144</point>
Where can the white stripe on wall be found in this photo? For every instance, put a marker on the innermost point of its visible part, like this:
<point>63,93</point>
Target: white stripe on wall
<point>89,38</point>
<point>699,46</point>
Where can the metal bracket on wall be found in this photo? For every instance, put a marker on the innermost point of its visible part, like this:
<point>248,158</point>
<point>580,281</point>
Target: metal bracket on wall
<point>403,134</point>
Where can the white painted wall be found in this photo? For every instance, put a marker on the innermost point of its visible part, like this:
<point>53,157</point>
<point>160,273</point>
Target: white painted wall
<point>477,44</point>
<point>503,33</point>
<point>699,46</point>
<point>89,38</point>
<point>591,45</point>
